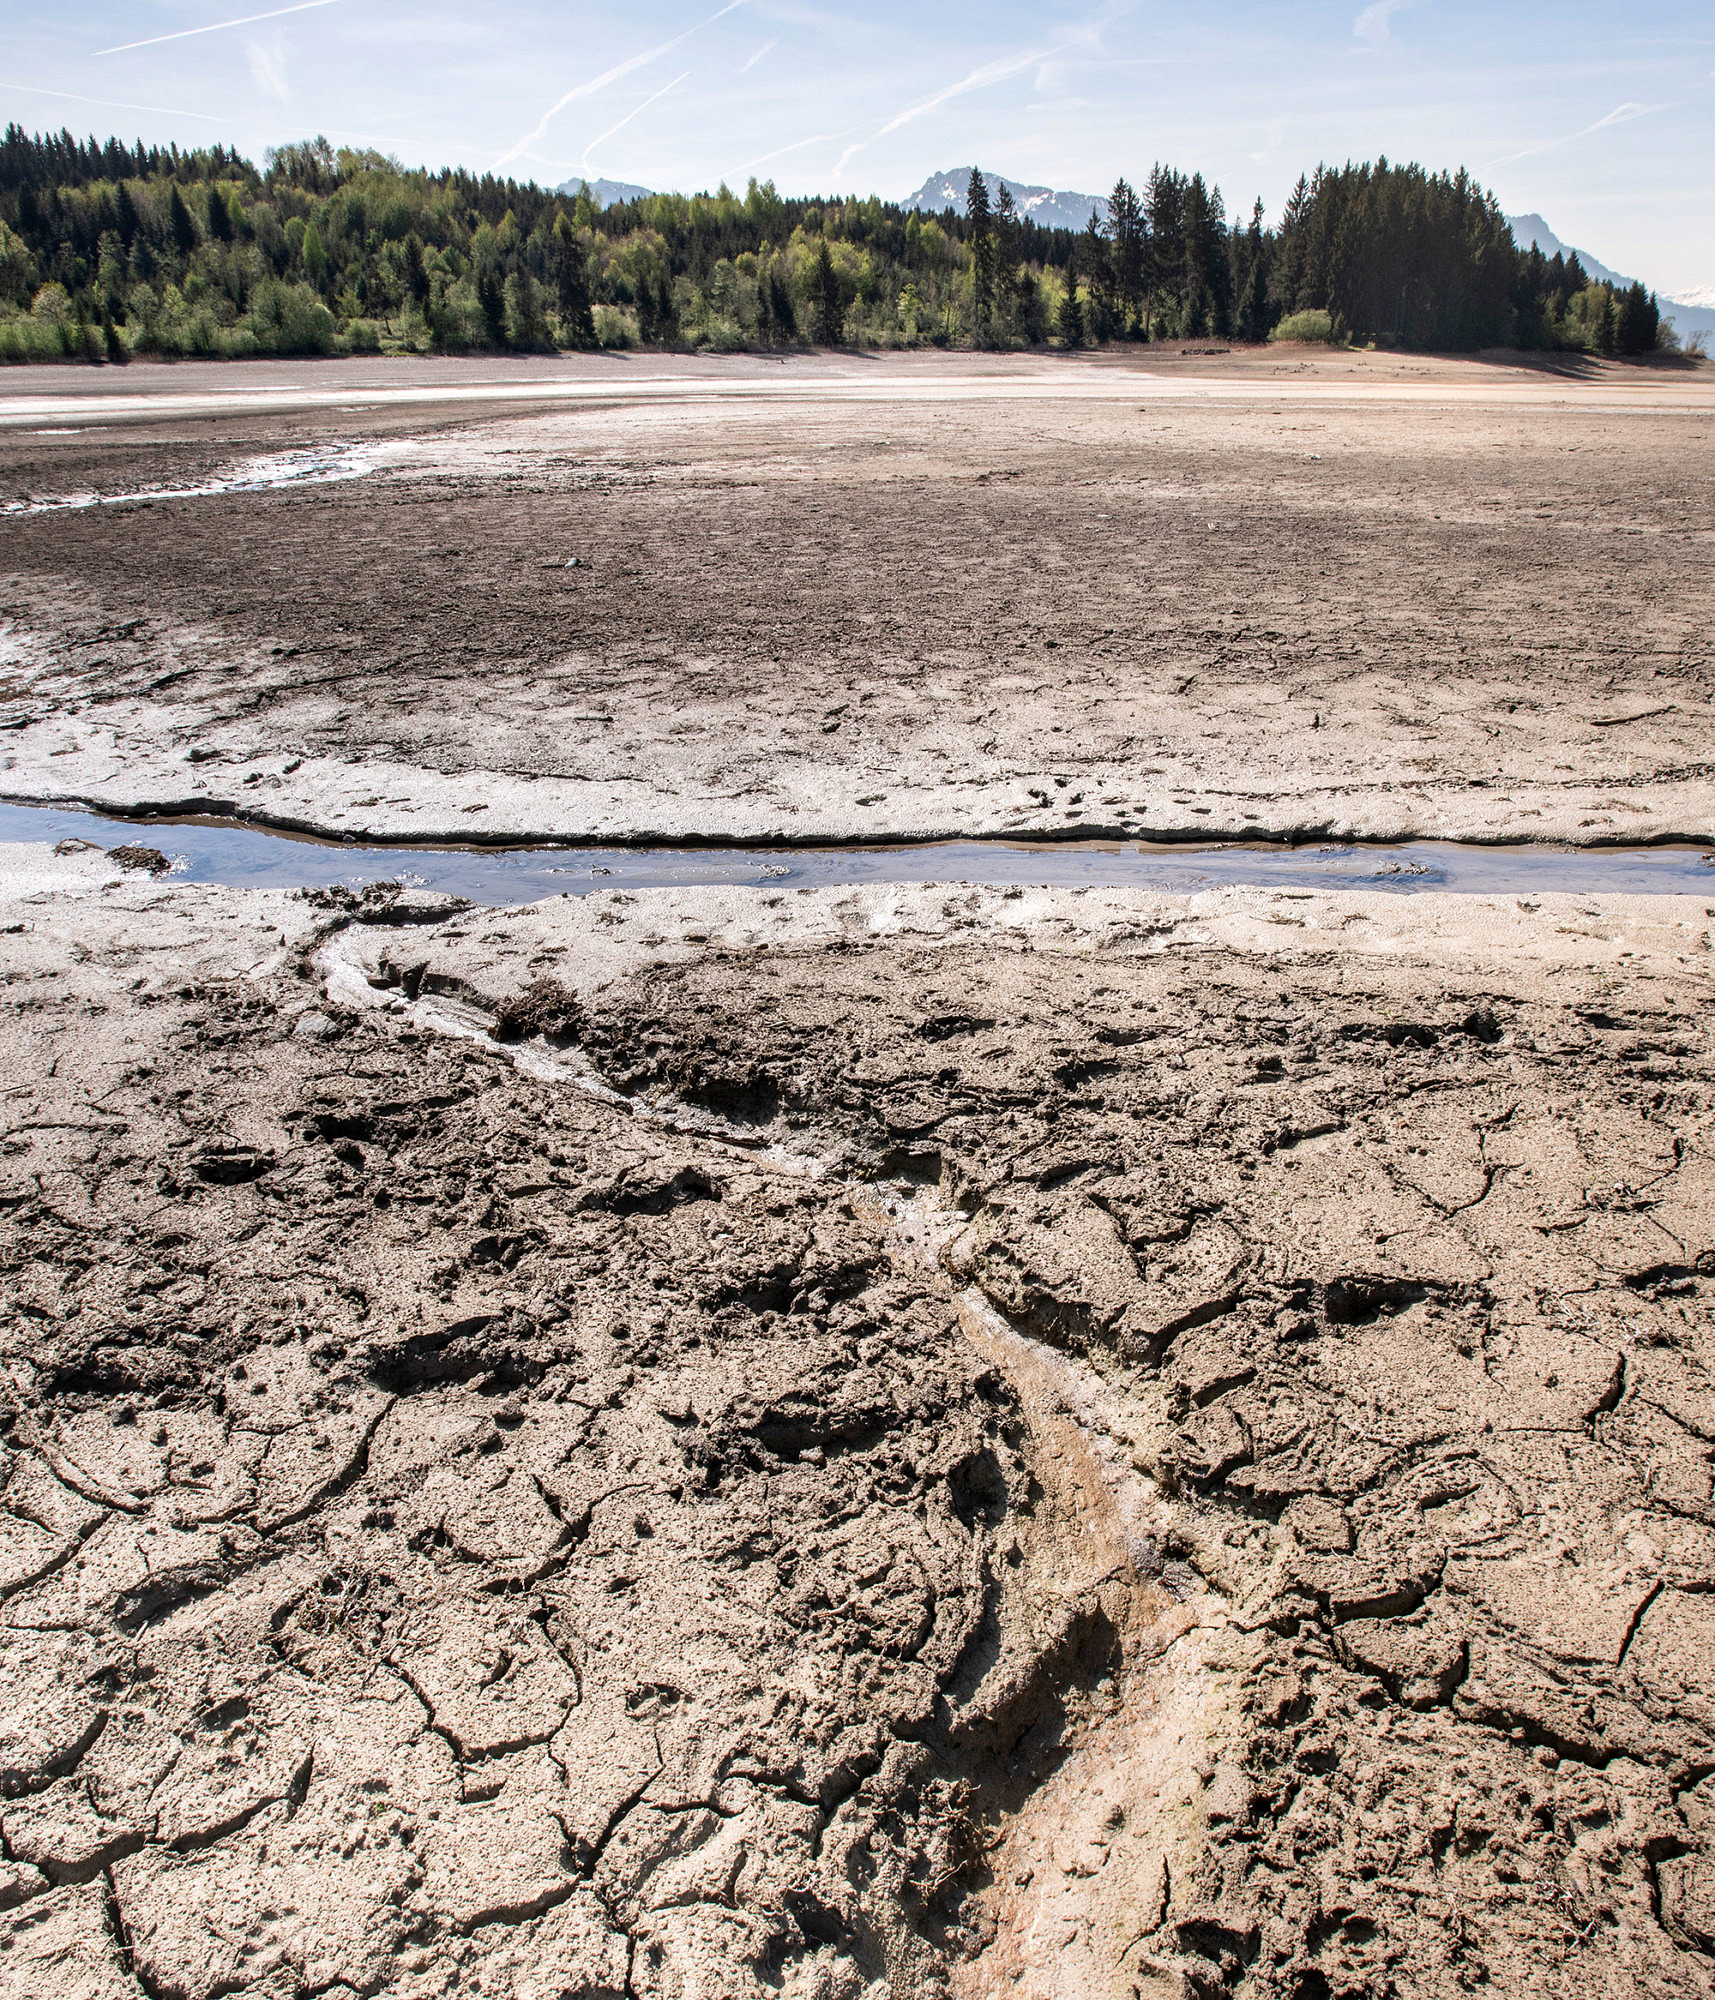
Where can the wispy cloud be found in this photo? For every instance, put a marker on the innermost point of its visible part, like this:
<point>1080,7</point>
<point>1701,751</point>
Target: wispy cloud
<point>761,52</point>
<point>601,138</point>
<point>981,78</point>
<point>1375,24</point>
<point>268,67</point>
<point>214,27</point>
<point>1083,35</point>
<point>620,69</point>
<point>797,146</point>
<point>118,104</point>
<point>1622,114</point>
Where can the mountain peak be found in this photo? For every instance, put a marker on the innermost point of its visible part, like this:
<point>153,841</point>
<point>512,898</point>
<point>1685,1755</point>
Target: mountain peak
<point>606,193</point>
<point>1052,208</point>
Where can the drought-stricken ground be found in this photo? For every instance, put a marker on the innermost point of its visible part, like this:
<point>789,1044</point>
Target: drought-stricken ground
<point>1242,595</point>
<point>916,1442</point>
<point>872,1444</point>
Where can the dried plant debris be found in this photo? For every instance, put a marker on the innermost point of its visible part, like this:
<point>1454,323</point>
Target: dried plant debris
<point>143,860</point>
<point>1145,1483</point>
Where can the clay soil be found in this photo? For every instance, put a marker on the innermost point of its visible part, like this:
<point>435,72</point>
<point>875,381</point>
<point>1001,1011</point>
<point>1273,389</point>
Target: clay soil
<point>880,1444</point>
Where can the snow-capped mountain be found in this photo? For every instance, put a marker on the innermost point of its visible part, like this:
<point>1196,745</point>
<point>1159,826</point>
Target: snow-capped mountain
<point>1053,208</point>
<point>606,193</point>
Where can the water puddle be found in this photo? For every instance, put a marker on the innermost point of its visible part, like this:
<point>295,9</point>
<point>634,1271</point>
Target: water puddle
<point>252,857</point>
<point>313,465</point>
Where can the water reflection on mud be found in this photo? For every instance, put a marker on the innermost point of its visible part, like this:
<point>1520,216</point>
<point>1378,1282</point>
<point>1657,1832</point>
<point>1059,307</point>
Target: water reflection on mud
<point>254,857</point>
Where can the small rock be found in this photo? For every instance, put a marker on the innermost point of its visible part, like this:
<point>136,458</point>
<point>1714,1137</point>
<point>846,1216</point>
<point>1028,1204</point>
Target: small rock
<point>314,1027</point>
<point>18,1882</point>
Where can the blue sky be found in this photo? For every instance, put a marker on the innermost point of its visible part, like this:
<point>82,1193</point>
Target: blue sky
<point>1599,118</point>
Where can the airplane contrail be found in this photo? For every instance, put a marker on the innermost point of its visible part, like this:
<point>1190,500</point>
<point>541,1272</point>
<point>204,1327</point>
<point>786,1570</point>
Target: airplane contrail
<point>214,27</point>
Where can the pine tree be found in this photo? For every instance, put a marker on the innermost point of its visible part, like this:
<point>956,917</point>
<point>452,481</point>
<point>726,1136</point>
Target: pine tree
<point>1098,280</point>
<point>825,298</point>
<point>1251,315</point>
<point>571,283</point>
<point>666,311</point>
<point>416,275</point>
<point>1253,305</point>
<point>179,224</point>
<point>1128,236</point>
<point>492,299</point>
<point>1638,323</point>
<point>979,234</point>
<point>1071,320</point>
<point>1006,255</point>
<point>781,311</point>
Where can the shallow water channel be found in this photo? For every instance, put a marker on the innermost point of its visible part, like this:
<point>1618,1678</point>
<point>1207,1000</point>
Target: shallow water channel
<point>258,858</point>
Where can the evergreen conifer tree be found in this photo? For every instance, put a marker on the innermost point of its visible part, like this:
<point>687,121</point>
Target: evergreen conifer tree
<point>571,283</point>
<point>125,209</point>
<point>1071,320</point>
<point>1128,238</point>
<point>416,275</point>
<point>492,299</point>
<point>825,299</point>
<point>1098,280</point>
<point>179,224</point>
<point>219,215</point>
<point>979,234</point>
<point>782,312</point>
<point>1638,321</point>
<point>666,311</point>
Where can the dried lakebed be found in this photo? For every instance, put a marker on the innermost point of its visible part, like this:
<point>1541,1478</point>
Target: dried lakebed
<point>888,1441</point>
<point>248,856</point>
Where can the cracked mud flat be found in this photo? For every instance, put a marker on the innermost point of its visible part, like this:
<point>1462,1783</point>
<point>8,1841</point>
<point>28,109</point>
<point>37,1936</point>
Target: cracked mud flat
<point>1264,594</point>
<point>896,1443</point>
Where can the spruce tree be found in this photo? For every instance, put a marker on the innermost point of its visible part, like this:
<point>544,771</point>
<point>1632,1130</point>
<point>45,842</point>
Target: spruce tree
<point>571,283</point>
<point>1071,320</point>
<point>179,224</point>
<point>1008,262</point>
<point>492,299</point>
<point>1638,321</point>
<point>416,275</point>
<point>979,234</point>
<point>219,215</point>
<point>1127,235</point>
<point>666,311</point>
<point>825,299</point>
<point>126,211</point>
<point>1093,254</point>
<point>781,309</point>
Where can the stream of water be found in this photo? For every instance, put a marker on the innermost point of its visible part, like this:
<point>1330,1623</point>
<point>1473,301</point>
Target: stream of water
<point>256,858</point>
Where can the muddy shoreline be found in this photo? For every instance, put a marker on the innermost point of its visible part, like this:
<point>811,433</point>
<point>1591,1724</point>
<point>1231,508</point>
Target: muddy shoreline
<point>1300,613</point>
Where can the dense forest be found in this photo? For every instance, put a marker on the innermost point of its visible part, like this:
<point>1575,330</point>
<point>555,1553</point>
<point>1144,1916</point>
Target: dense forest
<point>108,251</point>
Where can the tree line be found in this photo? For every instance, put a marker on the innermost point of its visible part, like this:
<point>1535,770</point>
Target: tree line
<point>108,250</point>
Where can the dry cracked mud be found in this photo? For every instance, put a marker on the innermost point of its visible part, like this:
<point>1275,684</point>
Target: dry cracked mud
<point>909,1442</point>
